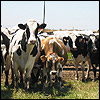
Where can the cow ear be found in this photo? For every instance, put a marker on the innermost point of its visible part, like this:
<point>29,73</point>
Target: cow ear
<point>21,26</point>
<point>42,26</point>
<point>50,58</point>
<point>64,39</point>
<point>61,59</point>
<point>43,58</point>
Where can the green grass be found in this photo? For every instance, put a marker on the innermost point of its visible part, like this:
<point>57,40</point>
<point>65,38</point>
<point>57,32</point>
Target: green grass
<point>69,55</point>
<point>72,90</point>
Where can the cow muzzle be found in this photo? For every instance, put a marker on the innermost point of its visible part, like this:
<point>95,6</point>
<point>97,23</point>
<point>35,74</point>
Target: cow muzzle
<point>53,72</point>
<point>32,41</point>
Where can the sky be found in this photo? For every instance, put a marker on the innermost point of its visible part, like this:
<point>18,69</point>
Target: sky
<point>83,15</point>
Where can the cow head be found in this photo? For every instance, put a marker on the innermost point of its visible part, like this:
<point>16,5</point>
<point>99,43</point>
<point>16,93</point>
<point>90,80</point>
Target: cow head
<point>97,42</point>
<point>92,43</point>
<point>79,42</point>
<point>30,34</point>
<point>52,62</point>
<point>31,30</point>
<point>68,43</point>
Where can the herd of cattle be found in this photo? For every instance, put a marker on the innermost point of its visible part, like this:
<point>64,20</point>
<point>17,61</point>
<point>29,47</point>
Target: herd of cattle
<point>32,54</point>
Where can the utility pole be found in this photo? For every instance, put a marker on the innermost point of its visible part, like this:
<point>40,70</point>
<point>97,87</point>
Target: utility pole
<point>44,13</point>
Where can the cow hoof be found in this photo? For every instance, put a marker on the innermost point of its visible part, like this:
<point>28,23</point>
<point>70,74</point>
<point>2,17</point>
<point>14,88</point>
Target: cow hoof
<point>6,84</point>
<point>21,85</point>
<point>31,87</point>
<point>12,85</point>
<point>83,80</point>
<point>94,79</point>
<point>76,78</point>
<point>44,89</point>
<point>62,88</point>
<point>50,84</point>
<point>16,89</point>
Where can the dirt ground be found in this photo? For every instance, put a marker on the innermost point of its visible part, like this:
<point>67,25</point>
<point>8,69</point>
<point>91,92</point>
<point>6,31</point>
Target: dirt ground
<point>68,74</point>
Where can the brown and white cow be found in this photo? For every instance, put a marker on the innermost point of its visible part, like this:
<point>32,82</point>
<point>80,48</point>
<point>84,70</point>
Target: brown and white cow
<point>54,56</point>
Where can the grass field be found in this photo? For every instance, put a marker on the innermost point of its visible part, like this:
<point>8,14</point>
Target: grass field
<point>72,90</point>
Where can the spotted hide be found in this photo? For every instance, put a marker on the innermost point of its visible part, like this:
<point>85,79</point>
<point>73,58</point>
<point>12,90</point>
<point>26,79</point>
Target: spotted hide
<point>5,58</point>
<point>81,57</point>
<point>93,50</point>
<point>25,49</point>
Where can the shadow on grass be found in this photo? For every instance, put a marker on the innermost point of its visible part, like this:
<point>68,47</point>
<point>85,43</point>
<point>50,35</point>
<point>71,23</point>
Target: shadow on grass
<point>48,92</point>
<point>6,94</point>
<point>53,91</point>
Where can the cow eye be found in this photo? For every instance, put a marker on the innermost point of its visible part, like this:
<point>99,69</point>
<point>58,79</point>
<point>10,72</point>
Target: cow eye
<point>50,63</point>
<point>19,42</point>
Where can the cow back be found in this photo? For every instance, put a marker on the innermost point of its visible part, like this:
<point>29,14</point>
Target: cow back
<point>54,45</point>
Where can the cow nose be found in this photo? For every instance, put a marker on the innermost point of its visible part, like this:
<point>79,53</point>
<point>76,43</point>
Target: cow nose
<point>32,41</point>
<point>53,72</point>
<point>94,48</point>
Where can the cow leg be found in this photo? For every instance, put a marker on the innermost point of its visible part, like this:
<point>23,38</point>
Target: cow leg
<point>28,73</point>
<point>60,76</point>
<point>94,70</point>
<point>56,78</point>
<point>8,64</point>
<point>2,63</point>
<point>12,77</point>
<point>34,77</point>
<point>21,77</point>
<point>76,75</point>
<point>16,74</point>
<point>50,79</point>
<point>44,77</point>
<point>83,75</point>
<point>6,73</point>
<point>17,83</point>
<point>88,69</point>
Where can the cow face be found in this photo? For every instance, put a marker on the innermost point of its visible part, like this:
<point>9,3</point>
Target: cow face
<point>32,28</point>
<point>79,42</point>
<point>52,61</point>
<point>93,39</point>
<point>91,43</point>
<point>68,43</point>
<point>97,42</point>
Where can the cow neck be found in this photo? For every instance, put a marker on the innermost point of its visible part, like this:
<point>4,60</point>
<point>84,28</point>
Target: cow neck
<point>29,48</point>
<point>49,49</point>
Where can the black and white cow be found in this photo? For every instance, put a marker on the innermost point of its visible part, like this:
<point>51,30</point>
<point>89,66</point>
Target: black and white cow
<point>65,37</point>
<point>80,55</point>
<point>25,49</point>
<point>93,49</point>
<point>6,35</point>
<point>5,57</point>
